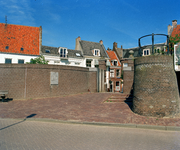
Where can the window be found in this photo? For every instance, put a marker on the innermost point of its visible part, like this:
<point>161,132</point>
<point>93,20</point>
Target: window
<point>20,61</point>
<point>77,54</point>
<point>125,65</point>
<point>47,51</point>
<point>77,63</point>
<point>114,62</point>
<point>88,63</point>
<point>117,83</point>
<point>96,52</point>
<point>111,72</point>
<point>117,73</point>
<point>7,47</point>
<point>146,52</point>
<point>63,52</point>
<point>8,61</point>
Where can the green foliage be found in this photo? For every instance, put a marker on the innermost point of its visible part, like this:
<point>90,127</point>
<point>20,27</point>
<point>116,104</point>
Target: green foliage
<point>173,41</point>
<point>38,60</point>
<point>121,75</point>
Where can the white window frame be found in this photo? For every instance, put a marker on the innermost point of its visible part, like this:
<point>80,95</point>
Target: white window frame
<point>146,50</point>
<point>64,54</point>
<point>111,73</point>
<point>112,62</point>
<point>96,52</point>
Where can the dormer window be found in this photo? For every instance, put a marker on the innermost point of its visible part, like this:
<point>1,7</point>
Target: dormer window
<point>47,51</point>
<point>146,52</point>
<point>114,62</point>
<point>96,52</point>
<point>63,52</point>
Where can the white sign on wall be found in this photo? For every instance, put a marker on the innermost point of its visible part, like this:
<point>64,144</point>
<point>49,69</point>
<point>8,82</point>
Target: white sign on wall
<point>54,78</point>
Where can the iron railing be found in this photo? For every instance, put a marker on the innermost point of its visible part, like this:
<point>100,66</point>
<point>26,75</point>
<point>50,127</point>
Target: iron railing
<point>140,47</point>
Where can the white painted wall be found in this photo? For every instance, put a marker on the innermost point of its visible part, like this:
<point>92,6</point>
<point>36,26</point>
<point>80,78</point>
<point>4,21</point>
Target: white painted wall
<point>56,60</point>
<point>15,58</point>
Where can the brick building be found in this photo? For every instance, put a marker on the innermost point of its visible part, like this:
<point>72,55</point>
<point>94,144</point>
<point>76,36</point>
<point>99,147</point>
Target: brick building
<point>95,57</point>
<point>115,80</point>
<point>18,43</point>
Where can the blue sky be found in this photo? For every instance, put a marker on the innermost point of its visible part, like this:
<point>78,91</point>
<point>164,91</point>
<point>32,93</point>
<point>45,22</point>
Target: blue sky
<point>121,21</point>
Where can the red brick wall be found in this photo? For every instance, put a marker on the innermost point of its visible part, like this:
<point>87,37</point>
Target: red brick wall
<point>128,76</point>
<point>25,81</point>
<point>18,36</point>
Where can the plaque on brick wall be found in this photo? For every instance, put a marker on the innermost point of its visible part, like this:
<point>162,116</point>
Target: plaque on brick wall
<point>54,78</point>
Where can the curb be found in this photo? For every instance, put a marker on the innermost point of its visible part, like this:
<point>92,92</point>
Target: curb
<point>139,126</point>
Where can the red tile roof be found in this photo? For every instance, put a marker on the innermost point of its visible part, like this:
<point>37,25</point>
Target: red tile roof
<point>176,31</point>
<point>20,39</point>
<point>112,55</point>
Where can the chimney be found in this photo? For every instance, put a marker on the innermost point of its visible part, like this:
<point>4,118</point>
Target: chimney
<point>169,29</point>
<point>174,23</point>
<point>114,46</point>
<point>101,42</point>
<point>109,49</point>
<point>77,43</point>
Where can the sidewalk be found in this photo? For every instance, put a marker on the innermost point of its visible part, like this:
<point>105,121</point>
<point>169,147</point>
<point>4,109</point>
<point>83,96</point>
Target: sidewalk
<point>87,107</point>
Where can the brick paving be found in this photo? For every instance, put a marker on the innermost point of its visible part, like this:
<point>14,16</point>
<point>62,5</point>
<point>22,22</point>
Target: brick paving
<point>86,107</point>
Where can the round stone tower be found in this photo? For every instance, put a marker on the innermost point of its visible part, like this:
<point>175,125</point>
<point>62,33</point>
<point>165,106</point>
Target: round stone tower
<point>155,86</point>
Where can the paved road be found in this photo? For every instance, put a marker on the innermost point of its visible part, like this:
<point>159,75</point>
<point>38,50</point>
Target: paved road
<point>34,135</point>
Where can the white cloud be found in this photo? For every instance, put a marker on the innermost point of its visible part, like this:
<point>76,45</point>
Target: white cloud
<point>17,12</point>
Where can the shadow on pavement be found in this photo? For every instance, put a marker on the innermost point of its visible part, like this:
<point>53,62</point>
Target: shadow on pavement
<point>30,116</point>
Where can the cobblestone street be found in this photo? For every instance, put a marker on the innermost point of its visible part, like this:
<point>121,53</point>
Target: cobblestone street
<point>87,107</point>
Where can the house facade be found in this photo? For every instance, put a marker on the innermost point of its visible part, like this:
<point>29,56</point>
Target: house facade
<point>63,56</point>
<point>115,79</point>
<point>18,43</point>
<point>95,57</point>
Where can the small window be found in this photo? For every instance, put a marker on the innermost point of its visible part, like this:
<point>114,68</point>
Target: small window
<point>22,49</point>
<point>20,61</point>
<point>117,73</point>
<point>8,61</point>
<point>117,83</point>
<point>96,52</point>
<point>146,52</point>
<point>77,54</point>
<point>112,73</point>
<point>114,63</point>
<point>88,63</point>
<point>7,47</point>
<point>63,52</point>
<point>47,51</point>
<point>125,65</point>
<point>76,63</point>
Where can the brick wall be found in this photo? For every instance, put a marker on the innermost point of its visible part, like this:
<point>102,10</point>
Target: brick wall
<point>155,86</point>
<point>15,37</point>
<point>128,75</point>
<point>25,81</point>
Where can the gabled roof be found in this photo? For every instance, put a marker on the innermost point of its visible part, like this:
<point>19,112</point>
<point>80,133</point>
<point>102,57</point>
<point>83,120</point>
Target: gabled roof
<point>112,55</point>
<point>19,39</point>
<point>87,48</point>
<point>54,51</point>
<point>175,31</point>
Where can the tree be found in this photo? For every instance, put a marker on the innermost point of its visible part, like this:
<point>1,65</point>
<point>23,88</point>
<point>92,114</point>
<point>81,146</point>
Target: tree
<point>38,60</point>
<point>172,41</point>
